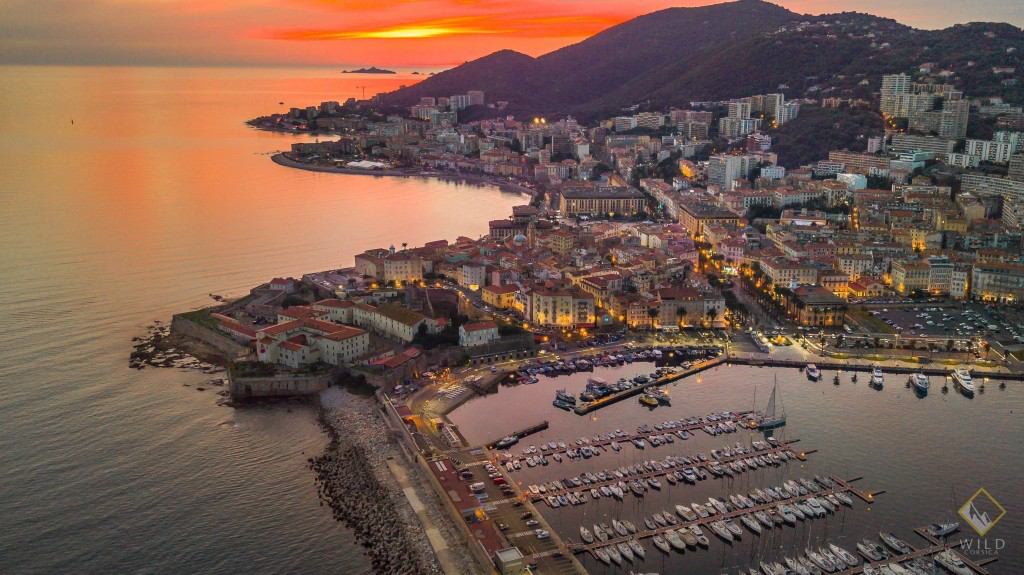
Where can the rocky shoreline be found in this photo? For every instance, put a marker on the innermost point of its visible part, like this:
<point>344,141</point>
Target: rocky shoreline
<point>353,479</point>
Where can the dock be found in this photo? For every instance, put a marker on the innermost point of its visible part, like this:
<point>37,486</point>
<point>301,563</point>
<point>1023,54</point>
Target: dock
<point>740,418</point>
<point>658,473</point>
<point>705,521</point>
<point>526,431</point>
<point>899,369</point>
<point>585,408</point>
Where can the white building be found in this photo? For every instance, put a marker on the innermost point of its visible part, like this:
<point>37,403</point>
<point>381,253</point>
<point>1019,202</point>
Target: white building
<point>479,333</point>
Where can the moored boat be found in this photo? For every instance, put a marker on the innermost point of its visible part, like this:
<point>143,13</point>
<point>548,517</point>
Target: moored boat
<point>942,529</point>
<point>920,382</point>
<point>876,376</point>
<point>962,377</point>
<point>813,373</point>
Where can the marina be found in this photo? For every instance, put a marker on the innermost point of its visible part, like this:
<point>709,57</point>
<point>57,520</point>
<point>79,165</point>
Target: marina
<point>822,414</point>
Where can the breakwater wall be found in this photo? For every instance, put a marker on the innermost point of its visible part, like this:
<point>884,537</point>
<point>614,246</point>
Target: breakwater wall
<point>229,348</point>
<point>277,385</point>
<point>346,481</point>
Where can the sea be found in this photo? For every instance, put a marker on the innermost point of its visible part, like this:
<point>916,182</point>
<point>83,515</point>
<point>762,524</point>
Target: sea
<point>928,454</point>
<point>128,194</point>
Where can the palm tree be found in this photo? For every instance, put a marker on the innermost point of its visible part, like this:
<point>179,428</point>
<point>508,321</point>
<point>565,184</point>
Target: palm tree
<point>404,245</point>
<point>712,314</point>
<point>680,314</point>
<point>653,313</point>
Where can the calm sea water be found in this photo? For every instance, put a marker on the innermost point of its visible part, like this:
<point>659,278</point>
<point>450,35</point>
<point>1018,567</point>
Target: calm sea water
<point>929,455</point>
<point>156,196</point>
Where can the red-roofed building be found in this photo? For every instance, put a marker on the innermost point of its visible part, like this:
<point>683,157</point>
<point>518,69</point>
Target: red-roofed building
<point>479,333</point>
<point>237,330</point>
<point>304,341</point>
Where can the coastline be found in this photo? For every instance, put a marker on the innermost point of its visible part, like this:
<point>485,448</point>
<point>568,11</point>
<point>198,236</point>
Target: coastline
<point>505,186</point>
<point>370,486</point>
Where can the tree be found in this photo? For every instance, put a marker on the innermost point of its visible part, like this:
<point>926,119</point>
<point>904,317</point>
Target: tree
<point>653,313</point>
<point>712,315</point>
<point>680,314</point>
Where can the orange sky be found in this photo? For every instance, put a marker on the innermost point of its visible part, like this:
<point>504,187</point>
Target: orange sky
<point>410,33</point>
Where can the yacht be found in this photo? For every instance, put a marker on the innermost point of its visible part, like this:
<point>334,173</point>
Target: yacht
<point>920,382</point>
<point>849,558</point>
<point>876,376</point>
<point>586,535</point>
<point>772,419</point>
<point>674,540</point>
<point>872,550</point>
<point>953,563</point>
<point>894,543</point>
<point>561,395</point>
<point>813,373</point>
<point>942,529</point>
<point>699,535</point>
<point>661,544</point>
<point>962,376</point>
<point>649,400</point>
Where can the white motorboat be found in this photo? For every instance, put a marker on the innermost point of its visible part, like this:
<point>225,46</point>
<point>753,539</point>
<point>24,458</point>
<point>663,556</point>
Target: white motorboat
<point>812,372</point>
<point>962,377</point>
<point>876,376</point>
<point>951,562</point>
<point>920,382</point>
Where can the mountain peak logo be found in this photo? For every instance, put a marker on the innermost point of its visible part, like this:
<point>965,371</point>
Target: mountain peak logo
<point>978,512</point>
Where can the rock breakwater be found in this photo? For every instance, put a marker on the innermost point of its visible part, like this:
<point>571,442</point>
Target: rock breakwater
<point>353,479</point>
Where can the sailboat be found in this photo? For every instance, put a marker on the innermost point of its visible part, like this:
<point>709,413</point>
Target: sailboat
<point>771,419</point>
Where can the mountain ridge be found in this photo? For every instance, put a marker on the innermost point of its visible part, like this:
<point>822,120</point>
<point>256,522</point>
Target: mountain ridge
<point>675,55</point>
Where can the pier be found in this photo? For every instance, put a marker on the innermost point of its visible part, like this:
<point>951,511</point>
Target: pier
<point>525,432</point>
<point>740,418</point>
<point>899,369</point>
<point>658,473</point>
<point>586,408</point>
<point>841,486</point>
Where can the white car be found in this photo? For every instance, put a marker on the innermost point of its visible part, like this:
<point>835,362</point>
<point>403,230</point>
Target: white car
<point>542,534</point>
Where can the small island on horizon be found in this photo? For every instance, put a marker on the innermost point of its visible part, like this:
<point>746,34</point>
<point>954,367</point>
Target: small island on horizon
<point>370,70</point>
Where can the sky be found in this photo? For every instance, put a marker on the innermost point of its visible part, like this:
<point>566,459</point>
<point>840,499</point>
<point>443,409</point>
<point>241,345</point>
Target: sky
<point>416,34</point>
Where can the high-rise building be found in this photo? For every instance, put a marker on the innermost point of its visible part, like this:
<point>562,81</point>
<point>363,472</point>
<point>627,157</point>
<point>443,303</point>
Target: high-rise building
<point>475,97</point>
<point>892,86</point>
<point>1017,167</point>
<point>739,110</point>
<point>458,101</point>
<point>724,169</point>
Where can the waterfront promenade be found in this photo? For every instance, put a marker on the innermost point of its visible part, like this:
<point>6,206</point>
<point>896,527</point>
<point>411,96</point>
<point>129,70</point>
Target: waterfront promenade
<point>474,179</point>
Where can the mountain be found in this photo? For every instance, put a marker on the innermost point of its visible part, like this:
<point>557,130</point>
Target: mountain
<point>566,77</point>
<point>728,50</point>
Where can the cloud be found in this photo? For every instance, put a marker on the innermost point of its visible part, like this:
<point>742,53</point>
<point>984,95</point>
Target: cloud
<point>567,26</point>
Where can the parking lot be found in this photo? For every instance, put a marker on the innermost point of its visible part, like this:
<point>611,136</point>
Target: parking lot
<point>974,320</point>
<point>515,517</point>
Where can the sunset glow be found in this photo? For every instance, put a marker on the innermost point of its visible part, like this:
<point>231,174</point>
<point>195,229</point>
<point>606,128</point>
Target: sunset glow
<point>395,33</point>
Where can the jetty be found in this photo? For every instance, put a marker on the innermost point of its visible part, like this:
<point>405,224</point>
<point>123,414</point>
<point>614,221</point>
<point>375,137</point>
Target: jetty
<point>525,432</point>
<point>742,418</point>
<point>802,456</point>
<point>587,407</point>
<point>841,487</point>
